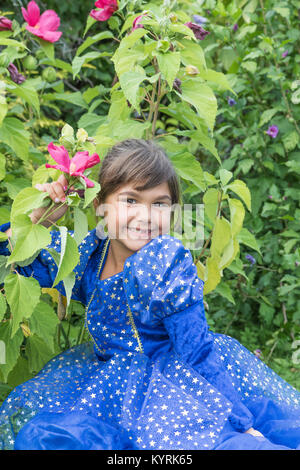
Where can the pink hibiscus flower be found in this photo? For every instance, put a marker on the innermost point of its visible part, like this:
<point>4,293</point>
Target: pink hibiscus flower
<point>73,166</point>
<point>45,25</point>
<point>108,7</point>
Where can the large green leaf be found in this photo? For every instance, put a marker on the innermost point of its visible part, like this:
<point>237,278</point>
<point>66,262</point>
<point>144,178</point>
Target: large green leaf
<point>202,98</point>
<point>68,257</point>
<point>27,93</point>
<point>9,348</point>
<point>43,322</point>
<point>130,83</point>
<point>27,200</point>
<point>80,225</point>
<point>92,39</point>
<point>22,295</point>
<point>29,238</point>
<point>38,353</point>
<point>188,167</point>
<point>12,133</point>
<point>169,64</point>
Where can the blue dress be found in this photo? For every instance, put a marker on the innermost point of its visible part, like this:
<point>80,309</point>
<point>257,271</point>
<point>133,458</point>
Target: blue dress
<point>154,376</point>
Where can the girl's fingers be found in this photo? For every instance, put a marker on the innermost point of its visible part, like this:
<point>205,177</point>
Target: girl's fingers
<point>59,192</point>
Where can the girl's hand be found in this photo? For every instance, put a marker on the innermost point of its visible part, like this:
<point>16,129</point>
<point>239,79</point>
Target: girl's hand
<point>254,432</point>
<point>56,191</point>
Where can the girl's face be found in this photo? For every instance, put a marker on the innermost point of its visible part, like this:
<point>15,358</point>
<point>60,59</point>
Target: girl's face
<point>135,217</point>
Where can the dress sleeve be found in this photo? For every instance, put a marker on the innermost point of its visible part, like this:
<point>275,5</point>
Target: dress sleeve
<point>44,269</point>
<point>166,290</point>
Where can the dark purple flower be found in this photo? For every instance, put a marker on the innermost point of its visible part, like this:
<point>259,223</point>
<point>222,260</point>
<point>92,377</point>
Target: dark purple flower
<point>235,27</point>
<point>272,131</point>
<point>257,353</point>
<point>176,85</point>
<point>199,19</point>
<point>15,75</point>
<point>198,31</point>
<point>284,54</point>
<point>231,101</point>
<point>251,259</point>
<point>5,24</point>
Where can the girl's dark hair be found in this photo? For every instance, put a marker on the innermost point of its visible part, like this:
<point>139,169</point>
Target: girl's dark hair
<point>137,161</point>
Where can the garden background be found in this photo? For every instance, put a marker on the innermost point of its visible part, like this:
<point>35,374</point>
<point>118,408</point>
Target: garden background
<point>217,84</point>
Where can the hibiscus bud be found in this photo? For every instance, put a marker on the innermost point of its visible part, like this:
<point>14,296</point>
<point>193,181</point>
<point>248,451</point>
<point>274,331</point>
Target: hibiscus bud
<point>5,24</point>
<point>25,329</point>
<point>30,63</point>
<point>49,74</point>
<point>81,135</point>
<point>173,18</point>
<point>191,70</point>
<point>15,75</point>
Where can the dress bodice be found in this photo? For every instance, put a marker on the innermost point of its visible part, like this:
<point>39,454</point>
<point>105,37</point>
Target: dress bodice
<point>110,322</point>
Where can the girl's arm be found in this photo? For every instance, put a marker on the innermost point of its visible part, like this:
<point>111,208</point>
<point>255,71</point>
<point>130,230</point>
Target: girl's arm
<point>164,288</point>
<point>43,268</point>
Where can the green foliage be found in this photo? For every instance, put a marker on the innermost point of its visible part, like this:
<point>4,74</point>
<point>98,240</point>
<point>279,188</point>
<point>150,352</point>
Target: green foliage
<point>209,103</point>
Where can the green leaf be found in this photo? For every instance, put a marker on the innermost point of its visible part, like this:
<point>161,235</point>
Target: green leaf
<point>290,141</point>
<point>4,271</point>
<point>27,93</point>
<point>188,167</point>
<point>130,83</point>
<point>48,48</point>
<point>210,200</point>
<point>237,215</point>
<point>12,133</point>
<point>80,225</point>
<point>26,201</point>
<point>68,258</point>
<point>224,290</point>
<point>29,238</point>
<point>2,166</point>
<point>91,193</point>
<point>11,349</point>
<point>12,42</point>
<point>3,108</point>
<point>79,61</point>
<point>43,323</point>
<point>192,54</point>
<point>249,65</point>
<point>169,64</point>
<point>220,237</point>
<point>201,136</point>
<point>247,238</point>
<point>240,188</point>
<point>38,353</point>
<point>92,39</point>
<point>73,98</point>
<point>202,98</point>
<point>22,295</point>
<point>225,176</point>
<point>89,22</point>
<point>267,116</point>
<point>216,78</point>
<point>3,306</point>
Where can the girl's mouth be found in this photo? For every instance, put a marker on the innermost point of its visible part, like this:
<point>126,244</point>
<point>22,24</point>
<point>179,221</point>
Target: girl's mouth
<point>140,233</point>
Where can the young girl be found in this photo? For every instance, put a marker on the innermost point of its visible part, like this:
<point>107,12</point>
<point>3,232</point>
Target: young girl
<point>154,375</point>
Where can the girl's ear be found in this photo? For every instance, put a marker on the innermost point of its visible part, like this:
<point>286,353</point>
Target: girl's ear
<point>98,208</point>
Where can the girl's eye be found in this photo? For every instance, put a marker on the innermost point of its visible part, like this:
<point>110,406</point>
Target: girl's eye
<point>163,204</point>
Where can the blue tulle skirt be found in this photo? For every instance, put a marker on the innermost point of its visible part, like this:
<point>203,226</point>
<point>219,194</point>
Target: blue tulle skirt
<point>79,402</point>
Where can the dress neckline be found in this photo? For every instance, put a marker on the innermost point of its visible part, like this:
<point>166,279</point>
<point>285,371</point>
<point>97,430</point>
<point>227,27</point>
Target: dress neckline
<point>103,264</point>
